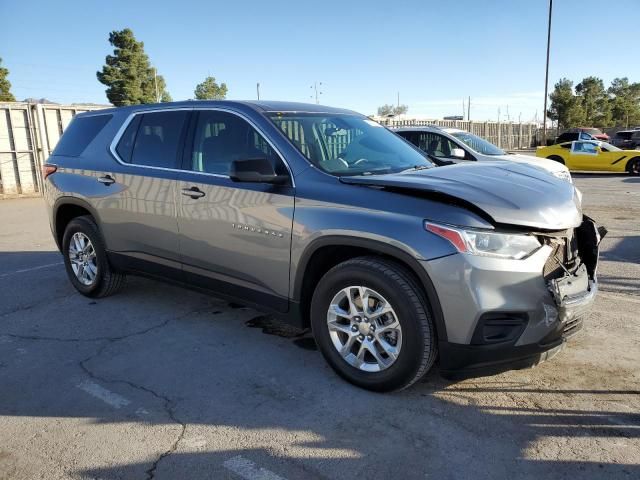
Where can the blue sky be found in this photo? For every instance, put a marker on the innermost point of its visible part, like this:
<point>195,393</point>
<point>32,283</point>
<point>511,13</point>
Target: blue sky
<point>433,52</point>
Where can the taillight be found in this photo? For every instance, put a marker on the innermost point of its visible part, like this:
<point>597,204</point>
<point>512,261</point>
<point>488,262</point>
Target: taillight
<point>48,169</point>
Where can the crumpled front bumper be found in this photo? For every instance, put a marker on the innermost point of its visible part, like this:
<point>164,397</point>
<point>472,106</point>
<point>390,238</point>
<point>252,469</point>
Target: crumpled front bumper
<point>502,314</point>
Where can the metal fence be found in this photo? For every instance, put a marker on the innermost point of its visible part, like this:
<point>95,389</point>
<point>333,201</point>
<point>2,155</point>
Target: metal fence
<point>28,134</point>
<point>509,136</point>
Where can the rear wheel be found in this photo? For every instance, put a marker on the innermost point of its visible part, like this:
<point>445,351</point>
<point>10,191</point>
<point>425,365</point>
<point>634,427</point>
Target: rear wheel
<point>556,158</point>
<point>372,324</point>
<point>85,259</point>
<point>633,167</point>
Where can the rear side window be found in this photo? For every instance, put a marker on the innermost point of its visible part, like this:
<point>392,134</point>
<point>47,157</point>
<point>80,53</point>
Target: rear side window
<point>153,139</point>
<point>79,134</point>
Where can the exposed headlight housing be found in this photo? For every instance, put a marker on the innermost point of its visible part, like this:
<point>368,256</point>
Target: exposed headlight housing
<point>487,243</point>
<point>564,175</point>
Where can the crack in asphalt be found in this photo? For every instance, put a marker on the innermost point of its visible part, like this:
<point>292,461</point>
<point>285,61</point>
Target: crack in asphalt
<point>37,304</point>
<point>168,404</point>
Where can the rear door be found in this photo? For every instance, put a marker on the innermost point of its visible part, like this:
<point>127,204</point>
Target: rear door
<point>140,221</point>
<point>235,238</point>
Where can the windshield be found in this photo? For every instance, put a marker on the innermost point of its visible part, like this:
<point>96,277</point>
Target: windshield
<point>348,144</point>
<point>478,144</point>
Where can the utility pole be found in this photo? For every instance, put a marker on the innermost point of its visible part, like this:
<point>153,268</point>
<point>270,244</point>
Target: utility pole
<point>258,89</point>
<point>463,109</point>
<point>469,109</point>
<point>398,99</point>
<point>155,81</point>
<point>546,78</point>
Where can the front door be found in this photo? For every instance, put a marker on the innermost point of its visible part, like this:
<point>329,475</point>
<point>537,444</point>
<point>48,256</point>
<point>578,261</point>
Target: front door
<point>584,156</point>
<point>234,237</point>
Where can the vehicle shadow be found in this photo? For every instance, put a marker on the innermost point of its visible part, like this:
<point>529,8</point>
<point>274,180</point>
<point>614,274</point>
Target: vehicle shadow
<point>200,363</point>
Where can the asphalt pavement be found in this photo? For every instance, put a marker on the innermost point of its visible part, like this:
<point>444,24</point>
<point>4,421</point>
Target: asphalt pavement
<point>162,382</point>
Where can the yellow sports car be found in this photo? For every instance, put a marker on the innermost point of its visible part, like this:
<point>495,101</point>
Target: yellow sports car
<point>593,155</point>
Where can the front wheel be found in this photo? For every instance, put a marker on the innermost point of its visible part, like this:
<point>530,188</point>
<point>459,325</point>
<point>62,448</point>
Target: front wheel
<point>371,322</point>
<point>633,167</point>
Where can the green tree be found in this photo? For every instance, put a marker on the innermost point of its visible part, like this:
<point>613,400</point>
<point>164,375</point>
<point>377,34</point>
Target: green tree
<point>210,90</point>
<point>5,85</point>
<point>565,108</point>
<point>386,110</point>
<point>594,101</point>
<point>128,74</point>
<point>625,102</point>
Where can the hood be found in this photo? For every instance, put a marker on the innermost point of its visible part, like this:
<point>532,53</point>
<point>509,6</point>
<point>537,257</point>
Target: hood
<point>514,194</point>
<point>545,163</point>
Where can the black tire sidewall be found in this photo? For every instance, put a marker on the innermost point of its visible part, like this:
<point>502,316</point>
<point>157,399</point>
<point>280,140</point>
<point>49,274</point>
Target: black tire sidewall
<point>87,227</point>
<point>404,369</point>
<point>632,162</point>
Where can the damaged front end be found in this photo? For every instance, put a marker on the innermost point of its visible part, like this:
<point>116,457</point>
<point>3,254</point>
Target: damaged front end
<point>570,271</point>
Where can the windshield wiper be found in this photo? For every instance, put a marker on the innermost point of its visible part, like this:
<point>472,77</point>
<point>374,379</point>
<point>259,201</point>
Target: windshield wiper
<point>415,167</point>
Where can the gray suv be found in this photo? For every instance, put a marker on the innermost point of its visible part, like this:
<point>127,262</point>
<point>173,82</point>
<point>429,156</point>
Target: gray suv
<point>325,218</point>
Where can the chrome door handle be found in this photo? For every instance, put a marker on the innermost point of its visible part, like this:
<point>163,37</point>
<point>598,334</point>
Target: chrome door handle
<point>193,192</point>
<point>106,180</point>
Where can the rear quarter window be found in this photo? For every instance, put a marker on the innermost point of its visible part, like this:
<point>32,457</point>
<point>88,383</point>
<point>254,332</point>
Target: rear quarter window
<point>79,134</point>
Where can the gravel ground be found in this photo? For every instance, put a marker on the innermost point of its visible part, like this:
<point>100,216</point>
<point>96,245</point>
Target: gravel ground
<point>160,382</point>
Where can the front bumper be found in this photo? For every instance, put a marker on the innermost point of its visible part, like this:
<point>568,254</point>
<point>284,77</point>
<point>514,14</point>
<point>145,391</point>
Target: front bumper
<point>502,314</point>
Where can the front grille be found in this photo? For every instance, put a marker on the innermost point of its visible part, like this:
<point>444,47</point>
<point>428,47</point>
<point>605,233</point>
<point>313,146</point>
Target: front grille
<point>552,268</point>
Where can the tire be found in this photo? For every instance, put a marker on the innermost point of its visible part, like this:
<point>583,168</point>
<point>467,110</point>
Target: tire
<point>415,339</point>
<point>99,279</point>
<point>633,166</point>
<point>556,158</point>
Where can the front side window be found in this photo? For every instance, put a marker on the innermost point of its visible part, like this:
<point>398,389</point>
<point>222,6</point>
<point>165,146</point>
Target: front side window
<point>153,139</point>
<point>347,144</point>
<point>435,144</point>
<point>478,144</point>
<point>222,137</point>
<point>584,148</point>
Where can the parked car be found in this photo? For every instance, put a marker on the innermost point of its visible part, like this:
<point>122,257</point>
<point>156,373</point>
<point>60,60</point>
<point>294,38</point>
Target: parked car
<point>572,137</point>
<point>627,139</point>
<point>327,219</point>
<point>445,145</point>
<point>593,155</point>
<point>596,133</point>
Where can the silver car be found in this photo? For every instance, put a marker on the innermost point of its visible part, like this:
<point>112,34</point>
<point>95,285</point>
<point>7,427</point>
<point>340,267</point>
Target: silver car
<point>328,220</point>
<point>458,146</point>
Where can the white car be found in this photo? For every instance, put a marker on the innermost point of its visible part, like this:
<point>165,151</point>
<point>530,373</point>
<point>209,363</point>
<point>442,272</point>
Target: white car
<point>454,145</point>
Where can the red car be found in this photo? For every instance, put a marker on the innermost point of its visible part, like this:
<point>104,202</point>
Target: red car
<point>594,132</point>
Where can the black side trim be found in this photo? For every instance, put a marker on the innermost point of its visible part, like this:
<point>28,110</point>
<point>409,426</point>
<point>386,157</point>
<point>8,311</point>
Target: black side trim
<point>382,248</point>
<point>245,296</point>
<point>620,159</point>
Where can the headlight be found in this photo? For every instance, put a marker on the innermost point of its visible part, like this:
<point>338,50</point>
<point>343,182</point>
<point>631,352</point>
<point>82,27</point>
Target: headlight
<point>487,244</point>
<point>564,175</point>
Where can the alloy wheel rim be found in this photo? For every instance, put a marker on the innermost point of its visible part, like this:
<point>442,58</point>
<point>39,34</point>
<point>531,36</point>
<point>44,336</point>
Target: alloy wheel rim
<point>364,328</point>
<point>82,256</point>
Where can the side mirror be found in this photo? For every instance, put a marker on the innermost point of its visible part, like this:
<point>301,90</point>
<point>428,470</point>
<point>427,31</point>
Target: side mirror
<point>256,170</point>
<point>457,153</point>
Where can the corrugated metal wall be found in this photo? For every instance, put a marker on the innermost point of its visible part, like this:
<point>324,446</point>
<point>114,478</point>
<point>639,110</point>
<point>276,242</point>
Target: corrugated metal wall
<point>28,134</point>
